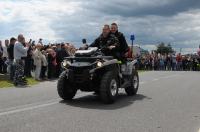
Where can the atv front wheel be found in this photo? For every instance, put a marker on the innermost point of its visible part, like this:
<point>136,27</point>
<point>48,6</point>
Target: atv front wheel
<point>64,88</point>
<point>109,87</point>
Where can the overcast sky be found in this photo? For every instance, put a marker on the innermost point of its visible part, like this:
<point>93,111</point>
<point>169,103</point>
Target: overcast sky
<point>152,21</point>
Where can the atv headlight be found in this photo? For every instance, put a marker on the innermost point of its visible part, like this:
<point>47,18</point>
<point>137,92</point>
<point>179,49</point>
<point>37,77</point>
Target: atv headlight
<point>99,64</point>
<point>66,64</point>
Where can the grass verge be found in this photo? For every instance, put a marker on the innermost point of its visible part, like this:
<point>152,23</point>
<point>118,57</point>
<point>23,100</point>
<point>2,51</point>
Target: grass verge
<point>6,83</point>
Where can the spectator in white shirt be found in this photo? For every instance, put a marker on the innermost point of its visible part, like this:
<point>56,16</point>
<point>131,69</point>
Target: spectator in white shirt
<point>20,51</point>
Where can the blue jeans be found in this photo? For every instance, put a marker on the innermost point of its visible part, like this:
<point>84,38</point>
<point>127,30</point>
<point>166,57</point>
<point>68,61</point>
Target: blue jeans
<point>179,66</point>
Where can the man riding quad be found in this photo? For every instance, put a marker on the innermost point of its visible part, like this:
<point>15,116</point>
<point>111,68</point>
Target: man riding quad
<point>108,43</point>
<point>100,68</point>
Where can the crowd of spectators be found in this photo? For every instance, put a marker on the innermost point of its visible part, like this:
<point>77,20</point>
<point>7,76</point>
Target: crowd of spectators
<point>169,62</point>
<point>42,61</point>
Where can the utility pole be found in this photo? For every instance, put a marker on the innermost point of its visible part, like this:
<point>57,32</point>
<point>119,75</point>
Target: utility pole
<point>132,39</point>
<point>180,50</point>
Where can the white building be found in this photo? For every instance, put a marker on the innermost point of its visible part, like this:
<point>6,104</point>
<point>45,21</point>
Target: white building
<point>138,50</point>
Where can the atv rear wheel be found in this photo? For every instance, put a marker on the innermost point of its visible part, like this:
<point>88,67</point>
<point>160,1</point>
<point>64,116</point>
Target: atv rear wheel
<point>109,87</point>
<point>64,88</point>
<point>132,90</point>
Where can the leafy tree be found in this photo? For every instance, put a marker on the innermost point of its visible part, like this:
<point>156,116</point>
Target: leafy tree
<point>162,48</point>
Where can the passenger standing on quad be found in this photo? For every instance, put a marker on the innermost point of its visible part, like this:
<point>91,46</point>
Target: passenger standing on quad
<point>123,47</point>
<point>108,43</point>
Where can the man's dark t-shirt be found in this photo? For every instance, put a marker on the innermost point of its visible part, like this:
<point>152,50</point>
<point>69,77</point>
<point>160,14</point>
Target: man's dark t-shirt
<point>10,51</point>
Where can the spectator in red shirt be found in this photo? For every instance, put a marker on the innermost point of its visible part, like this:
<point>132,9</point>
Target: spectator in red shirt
<point>179,62</point>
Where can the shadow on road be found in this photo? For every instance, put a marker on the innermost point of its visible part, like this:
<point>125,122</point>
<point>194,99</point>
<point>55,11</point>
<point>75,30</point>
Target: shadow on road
<point>94,102</point>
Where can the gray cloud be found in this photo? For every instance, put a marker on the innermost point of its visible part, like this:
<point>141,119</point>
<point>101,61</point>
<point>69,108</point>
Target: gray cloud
<point>170,21</point>
<point>129,8</point>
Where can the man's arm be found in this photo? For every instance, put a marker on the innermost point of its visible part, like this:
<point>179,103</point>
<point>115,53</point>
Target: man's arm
<point>95,43</point>
<point>1,49</point>
<point>65,54</point>
<point>114,44</point>
<point>8,51</point>
<point>22,49</point>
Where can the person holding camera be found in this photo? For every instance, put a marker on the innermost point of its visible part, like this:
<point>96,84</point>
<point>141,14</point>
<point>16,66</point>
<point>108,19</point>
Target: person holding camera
<point>20,52</point>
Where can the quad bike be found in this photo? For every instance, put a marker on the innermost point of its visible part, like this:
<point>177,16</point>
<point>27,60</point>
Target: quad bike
<point>89,70</point>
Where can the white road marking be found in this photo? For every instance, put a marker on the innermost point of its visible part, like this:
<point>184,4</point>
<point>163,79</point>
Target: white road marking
<point>170,76</point>
<point>199,130</point>
<point>165,77</point>
<point>33,106</point>
<point>142,82</point>
<point>26,109</point>
<point>28,105</point>
<point>156,79</point>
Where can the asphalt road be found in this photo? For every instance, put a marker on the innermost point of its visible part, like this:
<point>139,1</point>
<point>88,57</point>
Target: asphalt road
<point>166,102</point>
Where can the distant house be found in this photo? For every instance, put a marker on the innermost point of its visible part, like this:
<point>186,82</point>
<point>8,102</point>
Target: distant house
<point>139,51</point>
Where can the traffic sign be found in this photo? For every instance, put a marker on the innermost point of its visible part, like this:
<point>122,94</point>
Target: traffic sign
<point>132,37</point>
